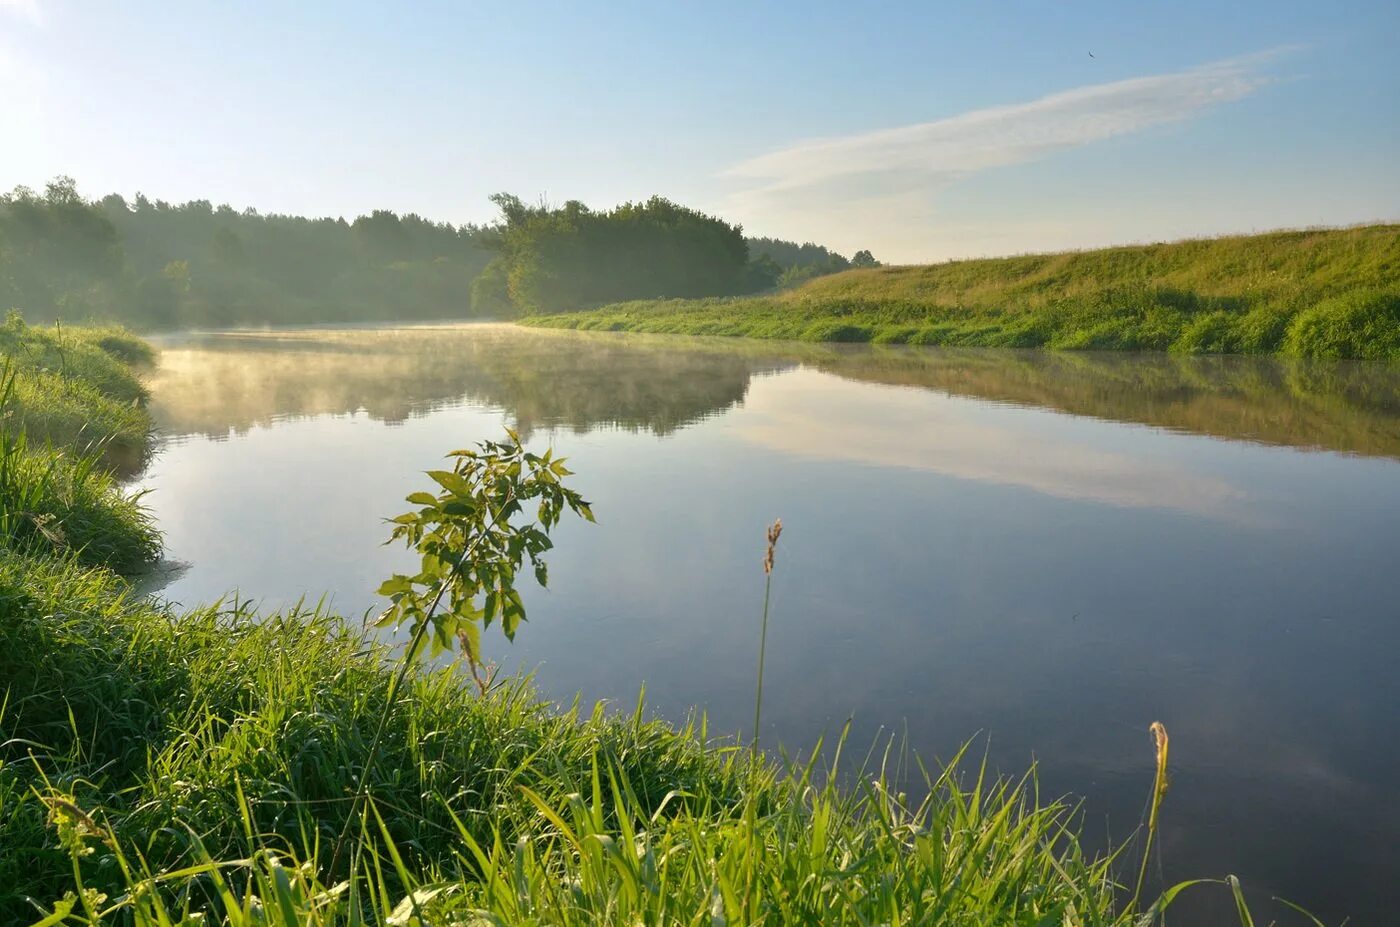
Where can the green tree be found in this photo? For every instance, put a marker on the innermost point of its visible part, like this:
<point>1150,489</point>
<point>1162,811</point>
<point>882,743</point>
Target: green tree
<point>571,257</point>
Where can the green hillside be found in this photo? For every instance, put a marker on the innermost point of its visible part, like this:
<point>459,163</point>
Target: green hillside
<point>1318,293</point>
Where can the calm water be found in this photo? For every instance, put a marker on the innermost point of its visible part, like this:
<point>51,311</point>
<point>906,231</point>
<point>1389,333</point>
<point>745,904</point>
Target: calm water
<point>1053,551</point>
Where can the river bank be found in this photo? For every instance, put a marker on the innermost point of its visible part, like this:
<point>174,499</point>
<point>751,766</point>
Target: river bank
<point>1326,293</point>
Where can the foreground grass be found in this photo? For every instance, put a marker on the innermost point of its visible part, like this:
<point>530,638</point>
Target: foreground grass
<point>174,727</point>
<point>1325,294</point>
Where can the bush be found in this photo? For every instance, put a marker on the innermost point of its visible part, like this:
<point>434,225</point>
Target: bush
<point>1210,333</point>
<point>54,500</point>
<point>1359,325</point>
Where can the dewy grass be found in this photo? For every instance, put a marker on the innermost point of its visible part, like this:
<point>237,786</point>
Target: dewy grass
<point>1323,293</point>
<point>78,389</point>
<point>104,358</point>
<point>54,409</point>
<point>52,500</point>
<point>63,500</point>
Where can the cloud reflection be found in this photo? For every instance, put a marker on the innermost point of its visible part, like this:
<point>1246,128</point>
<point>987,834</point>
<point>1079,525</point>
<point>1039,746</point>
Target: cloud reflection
<point>797,414</point>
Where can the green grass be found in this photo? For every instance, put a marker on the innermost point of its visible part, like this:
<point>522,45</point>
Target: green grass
<point>1322,293</point>
<point>78,388</point>
<point>155,718</point>
<point>58,501</point>
<point>71,413</point>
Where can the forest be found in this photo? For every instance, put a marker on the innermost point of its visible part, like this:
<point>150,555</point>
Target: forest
<point>154,265</point>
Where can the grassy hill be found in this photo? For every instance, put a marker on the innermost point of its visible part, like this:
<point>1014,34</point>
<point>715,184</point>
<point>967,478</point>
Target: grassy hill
<point>1317,293</point>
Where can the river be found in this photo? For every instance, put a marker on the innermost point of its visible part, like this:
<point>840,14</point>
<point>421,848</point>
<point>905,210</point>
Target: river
<point>1046,552</point>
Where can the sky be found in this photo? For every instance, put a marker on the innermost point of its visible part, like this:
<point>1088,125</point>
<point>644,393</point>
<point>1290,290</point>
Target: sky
<point>921,131</point>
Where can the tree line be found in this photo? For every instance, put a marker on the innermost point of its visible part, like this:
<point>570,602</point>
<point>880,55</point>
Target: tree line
<point>154,265</point>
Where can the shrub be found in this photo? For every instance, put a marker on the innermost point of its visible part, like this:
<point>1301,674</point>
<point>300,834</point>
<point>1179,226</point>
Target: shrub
<point>1359,325</point>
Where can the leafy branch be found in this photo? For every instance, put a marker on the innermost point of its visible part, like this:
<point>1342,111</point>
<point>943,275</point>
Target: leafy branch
<point>471,553</point>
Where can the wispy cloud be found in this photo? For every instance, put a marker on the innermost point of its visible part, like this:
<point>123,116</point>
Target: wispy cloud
<point>931,154</point>
<point>25,9</point>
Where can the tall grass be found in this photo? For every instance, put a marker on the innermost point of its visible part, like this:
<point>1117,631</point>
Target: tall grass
<point>589,851</point>
<point>105,358</point>
<point>79,389</point>
<point>64,501</point>
<point>1325,293</point>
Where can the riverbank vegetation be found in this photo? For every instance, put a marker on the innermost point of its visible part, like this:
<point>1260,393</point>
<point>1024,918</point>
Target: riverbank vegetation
<point>1322,293</point>
<point>71,415</point>
<point>160,767</point>
<point>176,752</point>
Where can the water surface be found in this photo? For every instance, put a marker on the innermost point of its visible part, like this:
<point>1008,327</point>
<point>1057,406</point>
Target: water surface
<point>1052,550</point>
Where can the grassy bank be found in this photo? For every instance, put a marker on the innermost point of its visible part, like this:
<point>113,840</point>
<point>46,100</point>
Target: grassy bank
<point>1327,294</point>
<point>72,414</point>
<point>161,767</point>
<point>78,389</point>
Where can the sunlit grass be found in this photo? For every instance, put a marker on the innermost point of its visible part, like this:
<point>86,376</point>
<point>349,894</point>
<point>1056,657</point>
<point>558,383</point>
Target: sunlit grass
<point>1324,293</point>
<point>61,499</point>
<point>77,388</point>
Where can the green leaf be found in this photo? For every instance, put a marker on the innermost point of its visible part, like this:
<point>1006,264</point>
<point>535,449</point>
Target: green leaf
<point>512,612</point>
<point>422,498</point>
<point>452,482</point>
<point>396,585</point>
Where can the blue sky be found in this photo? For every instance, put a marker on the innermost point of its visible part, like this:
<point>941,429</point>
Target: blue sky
<point>920,130</point>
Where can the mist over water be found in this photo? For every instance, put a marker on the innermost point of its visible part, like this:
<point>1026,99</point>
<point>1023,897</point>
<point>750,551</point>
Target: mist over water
<point>1052,550</point>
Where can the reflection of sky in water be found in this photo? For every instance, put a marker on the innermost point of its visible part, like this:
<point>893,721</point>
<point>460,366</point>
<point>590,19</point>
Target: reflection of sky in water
<point>949,566</point>
<point>812,415</point>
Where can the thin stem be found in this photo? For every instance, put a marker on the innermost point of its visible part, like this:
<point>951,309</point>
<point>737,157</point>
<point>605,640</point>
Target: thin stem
<point>751,812</point>
<point>405,663</point>
<point>1159,789</point>
<point>762,651</point>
